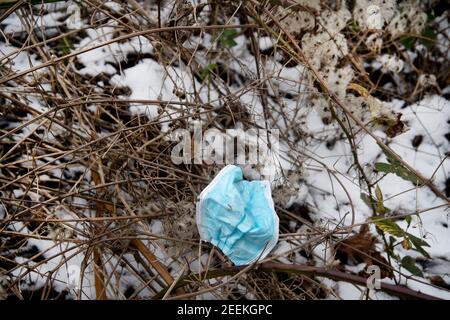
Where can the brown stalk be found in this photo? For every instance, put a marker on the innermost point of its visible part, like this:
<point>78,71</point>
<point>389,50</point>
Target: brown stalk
<point>100,289</point>
<point>310,271</point>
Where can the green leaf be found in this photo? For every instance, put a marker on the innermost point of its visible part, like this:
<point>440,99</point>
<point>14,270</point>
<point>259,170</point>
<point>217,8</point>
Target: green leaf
<point>226,37</point>
<point>398,170</point>
<point>379,194</point>
<point>368,200</point>
<point>391,241</point>
<point>408,42</point>
<point>422,251</point>
<point>373,203</point>
<point>383,167</point>
<point>430,35</point>
<point>389,226</point>
<point>417,241</point>
<point>408,220</point>
<point>394,166</point>
<point>380,208</point>
<point>390,247</point>
<point>65,45</point>
<point>410,264</point>
<point>354,26</point>
<point>419,244</point>
<point>206,73</point>
<point>389,155</point>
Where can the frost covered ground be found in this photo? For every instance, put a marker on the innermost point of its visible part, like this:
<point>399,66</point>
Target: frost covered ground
<point>93,207</point>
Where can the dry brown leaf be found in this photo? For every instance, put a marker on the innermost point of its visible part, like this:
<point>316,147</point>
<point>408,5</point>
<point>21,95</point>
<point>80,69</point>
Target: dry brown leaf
<point>360,248</point>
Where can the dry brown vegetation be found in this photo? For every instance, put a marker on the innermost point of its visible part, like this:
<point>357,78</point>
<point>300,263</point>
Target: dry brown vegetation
<point>93,182</point>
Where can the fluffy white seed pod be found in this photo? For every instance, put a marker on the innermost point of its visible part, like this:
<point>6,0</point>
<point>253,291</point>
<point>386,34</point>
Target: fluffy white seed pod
<point>391,63</point>
<point>374,19</point>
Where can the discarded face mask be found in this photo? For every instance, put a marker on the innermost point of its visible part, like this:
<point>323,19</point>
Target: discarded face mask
<point>238,216</point>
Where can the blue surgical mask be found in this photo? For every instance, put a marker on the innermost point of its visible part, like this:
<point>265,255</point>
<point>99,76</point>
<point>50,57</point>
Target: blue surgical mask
<point>238,216</point>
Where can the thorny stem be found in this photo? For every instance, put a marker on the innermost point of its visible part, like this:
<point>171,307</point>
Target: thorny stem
<point>310,271</point>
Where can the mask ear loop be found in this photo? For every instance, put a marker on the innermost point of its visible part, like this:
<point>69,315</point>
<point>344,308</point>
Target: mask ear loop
<point>276,220</point>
